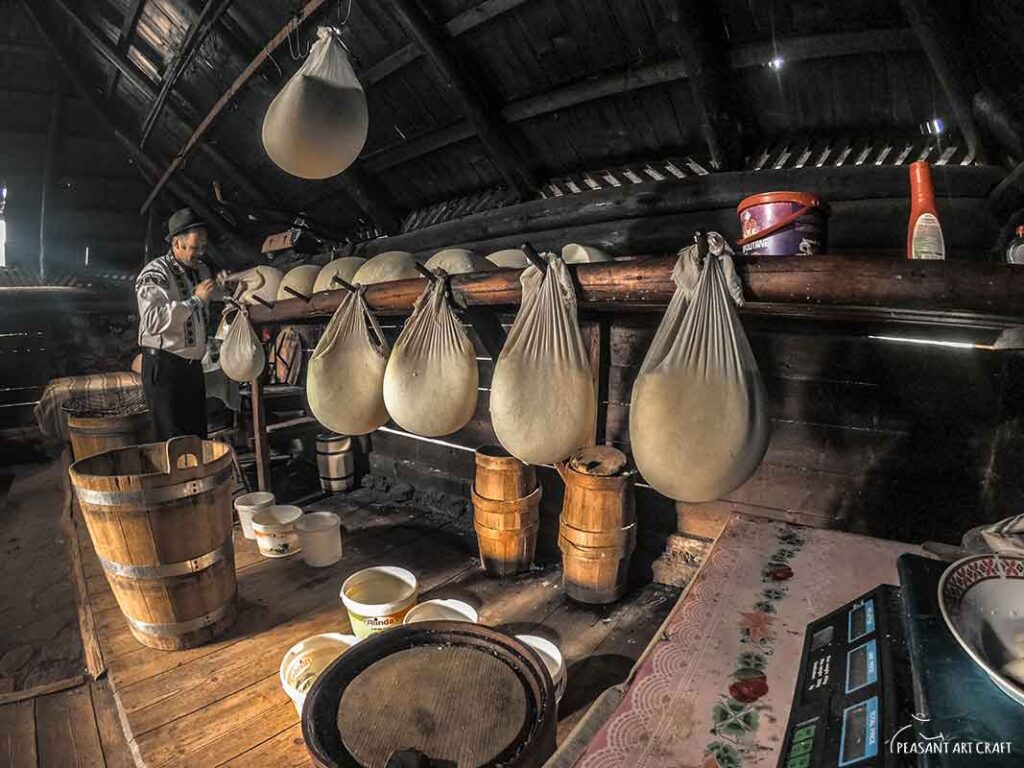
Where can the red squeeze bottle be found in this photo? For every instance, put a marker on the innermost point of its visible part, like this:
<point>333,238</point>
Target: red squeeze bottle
<point>924,235</point>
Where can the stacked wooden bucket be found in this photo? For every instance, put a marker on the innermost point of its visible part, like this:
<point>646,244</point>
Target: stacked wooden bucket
<point>336,462</point>
<point>597,529</point>
<point>506,504</point>
<point>104,421</point>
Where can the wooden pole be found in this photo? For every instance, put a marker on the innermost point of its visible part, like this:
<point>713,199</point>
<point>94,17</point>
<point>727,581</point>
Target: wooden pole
<point>488,127</point>
<point>838,281</point>
<point>952,67</point>
<point>261,442</point>
<point>52,141</point>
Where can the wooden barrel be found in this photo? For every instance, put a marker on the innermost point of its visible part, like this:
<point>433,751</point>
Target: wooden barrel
<point>101,423</point>
<point>457,693</point>
<point>506,532</point>
<point>597,528</point>
<point>500,475</point>
<point>159,516</point>
<point>336,462</point>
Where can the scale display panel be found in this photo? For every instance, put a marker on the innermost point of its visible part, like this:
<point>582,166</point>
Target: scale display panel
<point>853,689</point>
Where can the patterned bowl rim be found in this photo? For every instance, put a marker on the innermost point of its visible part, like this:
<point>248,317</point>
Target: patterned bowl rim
<point>981,662</point>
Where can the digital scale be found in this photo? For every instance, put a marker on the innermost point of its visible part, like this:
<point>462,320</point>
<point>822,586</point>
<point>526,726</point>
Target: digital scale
<point>885,669</point>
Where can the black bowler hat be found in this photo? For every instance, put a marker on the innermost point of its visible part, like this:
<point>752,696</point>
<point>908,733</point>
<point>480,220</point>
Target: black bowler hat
<point>182,221</point>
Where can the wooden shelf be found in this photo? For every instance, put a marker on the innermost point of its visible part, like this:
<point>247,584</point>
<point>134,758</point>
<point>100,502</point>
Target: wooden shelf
<point>989,295</point>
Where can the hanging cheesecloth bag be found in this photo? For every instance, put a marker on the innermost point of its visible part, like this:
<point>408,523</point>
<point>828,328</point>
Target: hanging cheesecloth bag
<point>316,126</point>
<point>241,354</point>
<point>345,378</point>
<point>698,419</point>
<point>543,400</point>
<point>430,385</point>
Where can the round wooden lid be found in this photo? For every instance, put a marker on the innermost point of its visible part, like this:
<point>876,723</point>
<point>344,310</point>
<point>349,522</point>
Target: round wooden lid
<point>598,460</point>
<point>452,703</point>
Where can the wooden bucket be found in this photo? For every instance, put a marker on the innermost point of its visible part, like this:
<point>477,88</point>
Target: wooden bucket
<point>592,573</point>
<point>159,516</point>
<point>336,462</point>
<point>101,423</point>
<point>499,475</point>
<point>458,693</point>
<point>597,528</point>
<point>506,532</point>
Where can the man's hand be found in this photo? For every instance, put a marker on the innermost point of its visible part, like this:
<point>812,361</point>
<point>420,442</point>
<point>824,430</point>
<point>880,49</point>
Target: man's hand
<point>204,289</point>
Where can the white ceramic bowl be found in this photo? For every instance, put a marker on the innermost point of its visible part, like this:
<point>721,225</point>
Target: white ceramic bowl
<point>441,610</point>
<point>982,600</point>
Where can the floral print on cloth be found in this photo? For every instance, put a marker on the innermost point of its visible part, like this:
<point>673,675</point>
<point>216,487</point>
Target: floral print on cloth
<point>714,690</point>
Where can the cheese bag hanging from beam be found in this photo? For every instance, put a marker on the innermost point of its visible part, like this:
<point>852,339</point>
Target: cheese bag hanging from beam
<point>242,357</point>
<point>698,420</point>
<point>543,399</point>
<point>431,380</point>
<point>316,126</point>
<point>345,379</point>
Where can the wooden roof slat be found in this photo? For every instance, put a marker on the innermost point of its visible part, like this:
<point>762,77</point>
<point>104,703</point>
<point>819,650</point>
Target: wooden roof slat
<point>124,38</point>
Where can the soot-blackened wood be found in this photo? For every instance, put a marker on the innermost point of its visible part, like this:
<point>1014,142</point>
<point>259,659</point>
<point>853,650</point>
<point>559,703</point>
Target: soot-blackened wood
<point>837,281</point>
<point>999,122</point>
<point>145,163</point>
<point>488,127</point>
<point>52,140</point>
<point>132,74</point>
<point>700,41</point>
<point>952,67</point>
<point>124,38</point>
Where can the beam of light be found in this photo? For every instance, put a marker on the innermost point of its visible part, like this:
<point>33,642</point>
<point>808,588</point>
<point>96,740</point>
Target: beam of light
<point>444,443</point>
<point>932,342</point>
<point>776,63</point>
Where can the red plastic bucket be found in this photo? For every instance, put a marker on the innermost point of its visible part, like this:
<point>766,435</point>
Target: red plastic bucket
<point>782,224</point>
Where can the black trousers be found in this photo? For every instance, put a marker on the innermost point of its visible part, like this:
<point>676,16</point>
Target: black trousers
<point>176,394</point>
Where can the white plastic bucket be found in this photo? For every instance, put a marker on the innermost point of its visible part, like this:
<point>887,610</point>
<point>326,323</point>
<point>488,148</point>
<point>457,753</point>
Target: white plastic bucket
<point>275,530</point>
<point>320,538</point>
<point>305,660</point>
<point>442,610</point>
<point>248,505</point>
<point>378,598</point>
<point>552,658</point>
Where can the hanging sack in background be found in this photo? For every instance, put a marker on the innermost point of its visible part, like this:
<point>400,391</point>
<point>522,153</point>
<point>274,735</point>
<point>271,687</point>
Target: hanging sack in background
<point>241,354</point>
<point>698,420</point>
<point>430,385</point>
<point>345,380</point>
<point>316,126</point>
<point>543,400</point>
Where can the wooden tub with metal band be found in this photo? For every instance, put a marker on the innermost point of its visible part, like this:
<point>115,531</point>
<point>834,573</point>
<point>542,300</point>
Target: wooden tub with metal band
<point>159,516</point>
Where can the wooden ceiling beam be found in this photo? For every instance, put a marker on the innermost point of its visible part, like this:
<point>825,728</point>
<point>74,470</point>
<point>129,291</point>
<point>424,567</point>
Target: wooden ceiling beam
<point>124,39</point>
<point>145,163</point>
<point>591,89</point>
<point>954,71</point>
<point>701,44</point>
<point>194,39</point>
<point>487,125</point>
<point>133,75</point>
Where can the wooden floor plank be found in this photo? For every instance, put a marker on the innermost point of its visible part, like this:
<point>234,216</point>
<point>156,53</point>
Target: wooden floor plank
<point>285,750</point>
<point>66,732</point>
<point>112,740</point>
<point>18,735</point>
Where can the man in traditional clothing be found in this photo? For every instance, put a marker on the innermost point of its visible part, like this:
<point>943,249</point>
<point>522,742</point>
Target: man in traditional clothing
<point>174,292</point>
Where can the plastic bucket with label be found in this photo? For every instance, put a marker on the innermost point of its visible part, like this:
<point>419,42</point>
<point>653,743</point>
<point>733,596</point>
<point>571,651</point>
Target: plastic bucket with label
<point>305,660</point>
<point>782,224</point>
<point>442,610</point>
<point>552,658</point>
<point>275,530</point>
<point>378,598</point>
<point>320,538</point>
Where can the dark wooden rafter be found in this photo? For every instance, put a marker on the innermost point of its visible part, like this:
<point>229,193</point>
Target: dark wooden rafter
<point>138,80</point>
<point>124,39</point>
<point>194,39</point>
<point>591,89</point>
<point>49,169</point>
<point>485,122</point>
<point>362,193</point>
<point>145,163</point>
<point>953,69</point>
<point>701,45</point>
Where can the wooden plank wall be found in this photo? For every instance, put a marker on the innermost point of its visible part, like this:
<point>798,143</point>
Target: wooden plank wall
<point>880,436</point>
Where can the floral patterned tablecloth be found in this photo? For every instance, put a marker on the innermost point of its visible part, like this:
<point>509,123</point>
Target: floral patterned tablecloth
<point>715,690</point>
